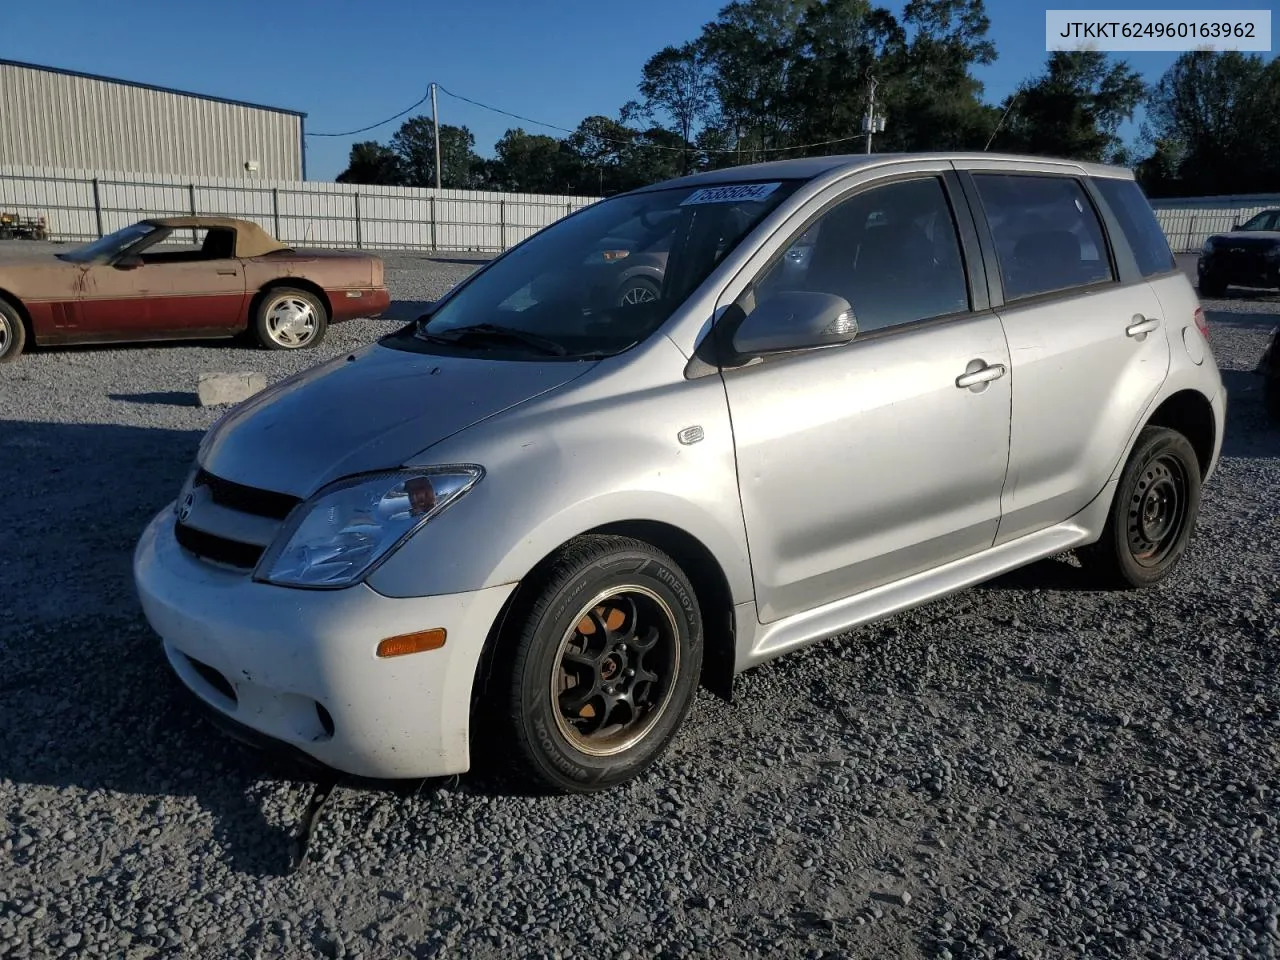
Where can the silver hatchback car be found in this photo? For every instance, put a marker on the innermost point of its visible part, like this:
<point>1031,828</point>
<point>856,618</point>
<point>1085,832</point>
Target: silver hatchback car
<point>546,507</point>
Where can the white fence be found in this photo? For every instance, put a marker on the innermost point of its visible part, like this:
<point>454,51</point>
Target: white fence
<point>83,205</point>
<point>1189,221</point>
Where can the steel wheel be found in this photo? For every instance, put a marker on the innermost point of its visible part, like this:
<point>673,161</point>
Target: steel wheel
<point>1157,511</point>
<point>1152,515</point>
<point>615,670</point>
<point>291,321</point>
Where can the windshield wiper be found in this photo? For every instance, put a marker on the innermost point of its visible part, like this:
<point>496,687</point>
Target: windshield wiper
<point>493,331</point>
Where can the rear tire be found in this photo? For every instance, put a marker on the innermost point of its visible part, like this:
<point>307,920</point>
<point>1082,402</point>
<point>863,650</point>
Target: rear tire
<point>13,333</point>
<point>601,666</point>
<point>287,318</point>
<point>1152,515</point>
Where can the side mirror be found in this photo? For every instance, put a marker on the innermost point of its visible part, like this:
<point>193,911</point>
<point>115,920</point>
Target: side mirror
<point>132,262</point>
<point>795,320</point>
<point>1235,226</point>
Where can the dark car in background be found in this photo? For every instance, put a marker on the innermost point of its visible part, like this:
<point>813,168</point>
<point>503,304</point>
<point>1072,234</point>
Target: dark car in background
<point>1248,255</point>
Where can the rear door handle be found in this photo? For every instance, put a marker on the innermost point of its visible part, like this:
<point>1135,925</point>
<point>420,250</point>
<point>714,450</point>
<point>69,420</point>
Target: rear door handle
<point>983,374</point>
<point>1141,326</point>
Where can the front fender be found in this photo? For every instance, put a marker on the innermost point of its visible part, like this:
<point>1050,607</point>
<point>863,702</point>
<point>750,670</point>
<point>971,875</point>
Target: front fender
<point>604,452</point>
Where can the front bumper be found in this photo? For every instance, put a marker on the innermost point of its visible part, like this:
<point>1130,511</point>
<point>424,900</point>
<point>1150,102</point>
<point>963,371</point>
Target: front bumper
<point>358,302</point>
<point>266,656</point>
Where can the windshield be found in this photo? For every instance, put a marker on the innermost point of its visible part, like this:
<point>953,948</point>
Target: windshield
<point>1267,220</point>
<point>604,279</point>
<point>110,245</point>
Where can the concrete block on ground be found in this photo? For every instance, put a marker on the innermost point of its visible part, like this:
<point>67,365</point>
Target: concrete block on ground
<point>214,389</point>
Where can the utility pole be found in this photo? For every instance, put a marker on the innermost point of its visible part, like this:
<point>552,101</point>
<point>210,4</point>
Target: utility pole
<point>871,122</point>
<point>435,129</point>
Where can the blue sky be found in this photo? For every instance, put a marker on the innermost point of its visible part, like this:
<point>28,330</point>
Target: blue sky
<point>347,64</point>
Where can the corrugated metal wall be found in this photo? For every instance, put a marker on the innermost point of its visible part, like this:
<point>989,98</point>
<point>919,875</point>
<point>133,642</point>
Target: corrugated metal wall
<point>81,205</point>
<point>49,118</point>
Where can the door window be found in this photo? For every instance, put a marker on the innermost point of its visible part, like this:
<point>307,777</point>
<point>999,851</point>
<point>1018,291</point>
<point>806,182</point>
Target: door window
<point>1048,237</point>
<point>892,252</point>
<point>1139,224</point>
<point>194,245</point>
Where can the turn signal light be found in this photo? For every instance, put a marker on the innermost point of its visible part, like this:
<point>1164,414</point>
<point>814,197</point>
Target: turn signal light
<point>408,643</point>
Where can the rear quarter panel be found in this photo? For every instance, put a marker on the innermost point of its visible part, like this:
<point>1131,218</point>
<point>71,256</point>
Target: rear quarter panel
<point>339,273</point>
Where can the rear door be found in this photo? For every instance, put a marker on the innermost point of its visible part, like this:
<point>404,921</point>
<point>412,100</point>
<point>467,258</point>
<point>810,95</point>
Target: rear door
<point>1086,340</point>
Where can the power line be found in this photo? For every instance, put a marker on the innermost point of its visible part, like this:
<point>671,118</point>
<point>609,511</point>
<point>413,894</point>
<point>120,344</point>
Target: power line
<point>380,123</point>
<point>554,126</point>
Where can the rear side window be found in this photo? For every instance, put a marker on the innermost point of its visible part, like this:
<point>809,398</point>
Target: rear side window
<point>1139,225</point>
<point>1047,234</point>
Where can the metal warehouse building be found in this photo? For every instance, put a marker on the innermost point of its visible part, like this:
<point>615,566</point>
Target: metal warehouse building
<point>59,118</point>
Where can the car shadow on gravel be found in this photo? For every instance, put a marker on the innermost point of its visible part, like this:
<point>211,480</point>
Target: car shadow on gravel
<point>86,696</point>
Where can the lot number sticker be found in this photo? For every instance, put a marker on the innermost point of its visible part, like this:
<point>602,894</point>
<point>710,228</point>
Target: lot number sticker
<point>732,193</point>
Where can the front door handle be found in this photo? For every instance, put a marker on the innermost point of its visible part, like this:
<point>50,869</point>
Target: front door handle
<point>228,273</point>
<point>1141,326</point>
<point>978,373</point>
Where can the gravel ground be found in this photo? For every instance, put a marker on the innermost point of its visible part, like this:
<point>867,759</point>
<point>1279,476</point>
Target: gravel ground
<point>1026,769</point>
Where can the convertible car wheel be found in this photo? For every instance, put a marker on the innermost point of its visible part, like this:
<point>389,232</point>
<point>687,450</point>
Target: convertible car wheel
<point>12,333</point>
<point>290,319</point>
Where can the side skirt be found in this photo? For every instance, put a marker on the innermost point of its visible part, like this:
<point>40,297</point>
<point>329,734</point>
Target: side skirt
<point>758,643</point>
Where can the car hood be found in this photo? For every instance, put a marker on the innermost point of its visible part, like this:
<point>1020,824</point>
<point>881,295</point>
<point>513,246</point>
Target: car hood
<point>371,410</point>
<point>1258,236</point>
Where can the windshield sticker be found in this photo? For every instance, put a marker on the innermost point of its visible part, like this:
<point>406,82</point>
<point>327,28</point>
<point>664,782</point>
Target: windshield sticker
<point>730,193</point>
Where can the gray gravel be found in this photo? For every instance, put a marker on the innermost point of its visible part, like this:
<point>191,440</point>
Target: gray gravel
<point>1026,769</point>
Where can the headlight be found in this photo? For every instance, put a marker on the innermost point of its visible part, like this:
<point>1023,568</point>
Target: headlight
<point>341,533</point>
<point>1208,246</point>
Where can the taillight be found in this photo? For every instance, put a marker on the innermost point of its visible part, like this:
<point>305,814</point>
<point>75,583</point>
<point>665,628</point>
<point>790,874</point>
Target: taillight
<point>1201,324</point>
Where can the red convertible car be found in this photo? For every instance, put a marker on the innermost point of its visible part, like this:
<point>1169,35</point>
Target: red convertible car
<point>227,276</point>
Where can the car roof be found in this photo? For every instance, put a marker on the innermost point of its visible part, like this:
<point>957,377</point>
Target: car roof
<point>809,168</point>
<point>251,239</point>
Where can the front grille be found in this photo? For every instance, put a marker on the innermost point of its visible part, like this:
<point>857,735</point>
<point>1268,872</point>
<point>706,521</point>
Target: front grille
<point>209,546</point>
<point>236,496</point>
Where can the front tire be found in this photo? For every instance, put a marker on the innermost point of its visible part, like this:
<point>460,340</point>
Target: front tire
<point>1153,514</point>
<point>13,335</point>
<point>602,664</point>
<point>290,319</point>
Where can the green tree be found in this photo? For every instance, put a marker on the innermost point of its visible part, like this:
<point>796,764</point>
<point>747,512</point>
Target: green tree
<point>373,163</point>
<point>534,163</point>
<point>676,83</point>
<point>414,144</point>
<point>932,99</point>
<point>1074,109</point>
<point>1216,112</point>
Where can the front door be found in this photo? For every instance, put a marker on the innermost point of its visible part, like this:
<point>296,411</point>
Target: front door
<point>866,463</point>
<point>1088,351</point>
<point>165,293</point>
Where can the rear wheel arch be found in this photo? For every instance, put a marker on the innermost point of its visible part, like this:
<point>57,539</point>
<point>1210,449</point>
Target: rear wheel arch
<point>298,283</point>
<point>1191,414</point>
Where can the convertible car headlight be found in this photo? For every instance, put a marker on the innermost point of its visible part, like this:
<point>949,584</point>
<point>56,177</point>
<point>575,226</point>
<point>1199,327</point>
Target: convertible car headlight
<point>343,531</point>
